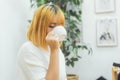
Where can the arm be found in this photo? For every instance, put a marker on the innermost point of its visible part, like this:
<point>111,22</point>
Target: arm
<point>53,69</point>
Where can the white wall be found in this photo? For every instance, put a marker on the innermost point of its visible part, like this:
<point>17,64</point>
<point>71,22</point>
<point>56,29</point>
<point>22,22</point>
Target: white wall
<point>13,24</point>
<point>90,67</point>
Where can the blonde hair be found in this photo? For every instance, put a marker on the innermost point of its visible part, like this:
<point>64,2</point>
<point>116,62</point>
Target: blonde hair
<point>39,25</point>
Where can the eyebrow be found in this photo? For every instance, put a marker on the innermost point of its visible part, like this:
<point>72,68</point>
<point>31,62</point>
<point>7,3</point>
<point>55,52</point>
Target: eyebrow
<point>53,23</point>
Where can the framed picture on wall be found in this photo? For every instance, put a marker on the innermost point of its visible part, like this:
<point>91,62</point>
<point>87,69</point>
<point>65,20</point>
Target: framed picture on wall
<point>107,32</point>
<point>102,6</point>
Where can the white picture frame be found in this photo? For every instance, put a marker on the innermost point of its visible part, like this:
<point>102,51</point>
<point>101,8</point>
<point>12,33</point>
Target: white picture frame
<point>102,6</point>
<point>107,32</point>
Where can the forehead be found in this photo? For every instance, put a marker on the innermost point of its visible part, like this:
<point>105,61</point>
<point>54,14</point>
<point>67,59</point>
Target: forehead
<point>54,21</point>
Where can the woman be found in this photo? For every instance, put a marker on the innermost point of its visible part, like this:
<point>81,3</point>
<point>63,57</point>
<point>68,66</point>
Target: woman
<point>40,58</point>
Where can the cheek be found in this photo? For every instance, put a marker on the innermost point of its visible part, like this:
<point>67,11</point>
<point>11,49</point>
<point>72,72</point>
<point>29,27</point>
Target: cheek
<point>49,30</point>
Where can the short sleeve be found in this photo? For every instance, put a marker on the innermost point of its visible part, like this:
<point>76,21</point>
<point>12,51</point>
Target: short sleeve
<point>33,65</point>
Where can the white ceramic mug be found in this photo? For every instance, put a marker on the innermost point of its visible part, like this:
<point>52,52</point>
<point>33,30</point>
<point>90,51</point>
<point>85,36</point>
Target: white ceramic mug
<point>61,32</point>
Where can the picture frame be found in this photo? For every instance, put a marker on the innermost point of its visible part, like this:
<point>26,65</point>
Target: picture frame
<point>102,6</point>
<point>107,32</point>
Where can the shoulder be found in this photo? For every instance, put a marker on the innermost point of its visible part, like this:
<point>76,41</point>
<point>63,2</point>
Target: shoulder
<point>28,53</point>
<point>28,46</point>
<point>28,50</point>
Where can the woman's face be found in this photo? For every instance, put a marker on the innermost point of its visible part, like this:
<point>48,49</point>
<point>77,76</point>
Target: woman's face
<point>52,25</point>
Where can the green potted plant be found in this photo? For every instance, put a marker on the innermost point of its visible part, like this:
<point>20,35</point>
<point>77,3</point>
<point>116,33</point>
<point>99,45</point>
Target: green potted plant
<point>72,11</point>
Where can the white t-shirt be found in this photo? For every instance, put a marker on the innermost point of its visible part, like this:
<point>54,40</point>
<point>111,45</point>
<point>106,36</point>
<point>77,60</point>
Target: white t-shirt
<point>33,63</point>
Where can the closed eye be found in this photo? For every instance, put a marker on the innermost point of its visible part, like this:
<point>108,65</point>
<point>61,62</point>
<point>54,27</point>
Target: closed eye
<point>51,26</point>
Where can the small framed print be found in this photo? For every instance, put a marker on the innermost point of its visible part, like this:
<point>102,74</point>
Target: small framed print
<point>102,6</point>
<point>107,32</point>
